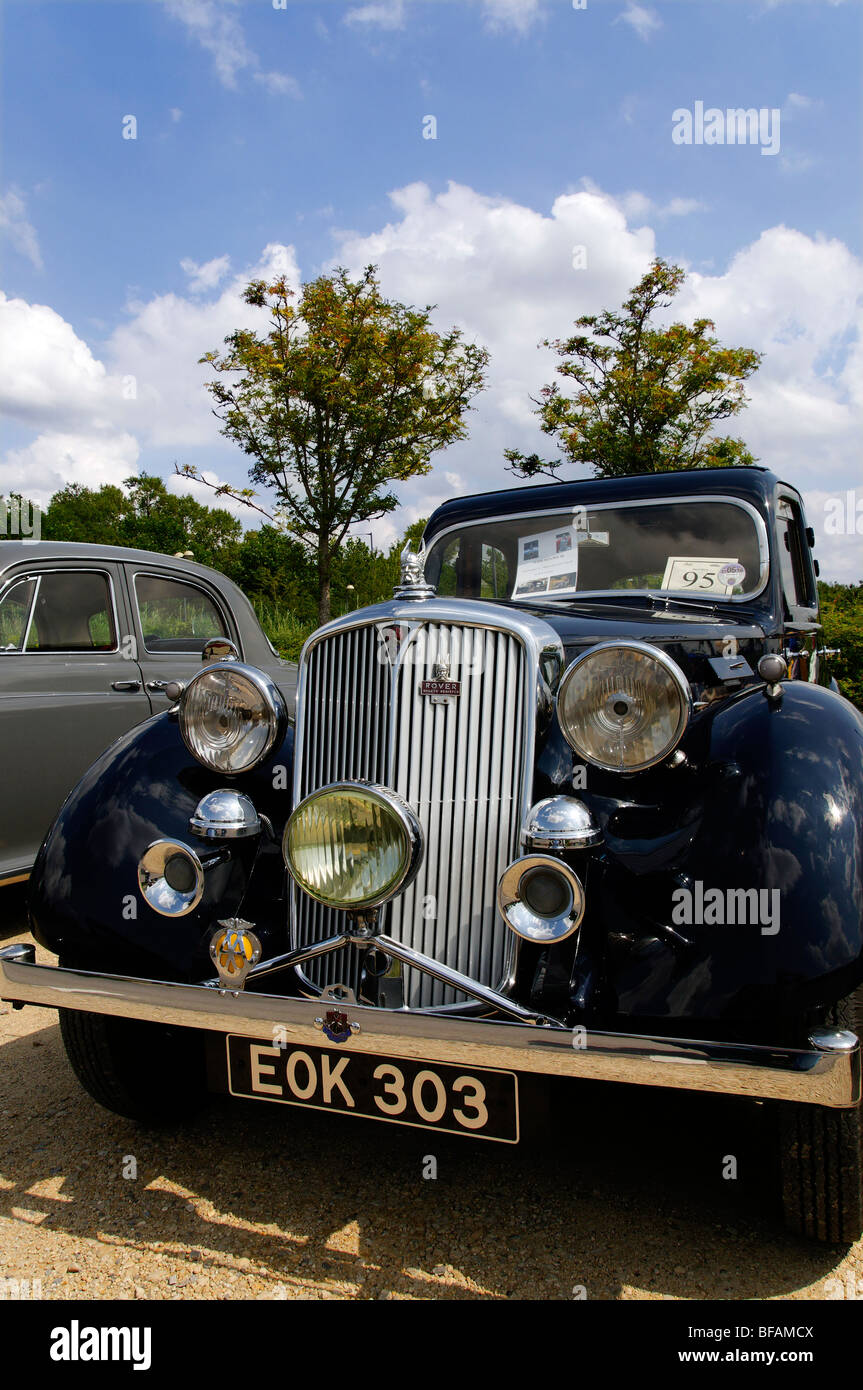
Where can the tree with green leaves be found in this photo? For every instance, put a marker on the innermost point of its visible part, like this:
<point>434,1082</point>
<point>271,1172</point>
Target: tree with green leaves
<point>645,398</point>
<point>343,394</point>
<point>145,516</point>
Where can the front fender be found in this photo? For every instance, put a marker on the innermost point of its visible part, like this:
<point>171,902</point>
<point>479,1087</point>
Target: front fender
<point>774,802</point>
<point>84,899</point>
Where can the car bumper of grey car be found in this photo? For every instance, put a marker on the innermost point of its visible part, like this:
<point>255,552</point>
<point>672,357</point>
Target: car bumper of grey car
<point>827,1073</point>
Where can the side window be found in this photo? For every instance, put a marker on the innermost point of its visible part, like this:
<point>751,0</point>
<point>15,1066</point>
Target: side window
<point>174,616</point>
<point>473,569</point>
<point>495,573</point>
<point>793,563</point>
<point>72,612</point>
<point>15,606</point>
<point>447,584</point>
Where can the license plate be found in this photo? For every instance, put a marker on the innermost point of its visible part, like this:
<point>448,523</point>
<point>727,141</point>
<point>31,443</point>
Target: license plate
<point>428,1095</point>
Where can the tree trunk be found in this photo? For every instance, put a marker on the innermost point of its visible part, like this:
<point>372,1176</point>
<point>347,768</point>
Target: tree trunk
<point>323,581</point>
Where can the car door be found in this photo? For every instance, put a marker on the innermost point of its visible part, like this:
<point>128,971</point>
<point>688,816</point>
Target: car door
<point>68,689</point>
<point>174,616</point>
<point>799,592</point>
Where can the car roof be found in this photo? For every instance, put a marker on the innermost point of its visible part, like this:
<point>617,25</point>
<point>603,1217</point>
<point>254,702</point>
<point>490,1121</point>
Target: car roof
<point>24,552</point>
<point>755,484</point>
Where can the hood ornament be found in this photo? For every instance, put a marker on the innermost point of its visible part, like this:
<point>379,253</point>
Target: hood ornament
<point>413,583</point>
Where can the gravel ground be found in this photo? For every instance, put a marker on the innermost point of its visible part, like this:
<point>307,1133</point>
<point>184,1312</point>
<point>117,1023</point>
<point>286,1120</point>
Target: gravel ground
<point>622,1196</point>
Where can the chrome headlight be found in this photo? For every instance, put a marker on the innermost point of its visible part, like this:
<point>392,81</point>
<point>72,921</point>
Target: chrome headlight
<point>623,706</point>
<point>231,717</point>
<point>352,845</point>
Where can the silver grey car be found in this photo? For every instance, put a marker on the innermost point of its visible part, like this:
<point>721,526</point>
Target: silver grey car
<point>90,637</point>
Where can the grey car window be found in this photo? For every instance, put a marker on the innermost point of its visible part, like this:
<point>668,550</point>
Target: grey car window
<point>15,614</point>
<point>175,616</point>
<point>72,612</point>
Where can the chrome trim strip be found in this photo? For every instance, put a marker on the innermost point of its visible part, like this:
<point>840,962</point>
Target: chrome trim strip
<point>766,1073</point>
<point>760,527</point>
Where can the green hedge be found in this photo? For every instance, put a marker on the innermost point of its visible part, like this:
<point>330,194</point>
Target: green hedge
<point>842,616</point>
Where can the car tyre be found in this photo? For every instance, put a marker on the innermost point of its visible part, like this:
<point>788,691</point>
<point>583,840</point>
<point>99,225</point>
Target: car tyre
<point>143,1071</point>
<point>822,1156</point>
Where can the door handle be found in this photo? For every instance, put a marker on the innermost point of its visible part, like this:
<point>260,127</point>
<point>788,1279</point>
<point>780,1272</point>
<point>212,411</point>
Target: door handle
<point>157,687</point>
<point>126,685</point>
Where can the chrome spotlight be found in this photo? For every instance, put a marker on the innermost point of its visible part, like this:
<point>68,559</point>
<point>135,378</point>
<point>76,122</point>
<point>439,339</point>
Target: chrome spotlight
<point>560,822</point>
<point>225,814</point>
<point>171,878</point>
<point>540,899</point>
<point>219,649</point>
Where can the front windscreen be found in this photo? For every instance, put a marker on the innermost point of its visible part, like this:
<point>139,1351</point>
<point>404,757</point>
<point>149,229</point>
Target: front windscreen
<point>708,549</point>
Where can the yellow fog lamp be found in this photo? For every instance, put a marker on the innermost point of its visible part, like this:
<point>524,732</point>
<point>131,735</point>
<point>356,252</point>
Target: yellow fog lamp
<point>353,845</point>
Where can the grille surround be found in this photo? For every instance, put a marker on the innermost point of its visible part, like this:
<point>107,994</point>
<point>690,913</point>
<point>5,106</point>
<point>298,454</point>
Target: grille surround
<point>383,730</point>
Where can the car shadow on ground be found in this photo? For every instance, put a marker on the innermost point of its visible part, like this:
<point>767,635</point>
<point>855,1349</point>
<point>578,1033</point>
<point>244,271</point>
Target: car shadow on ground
<point>621,1194</point>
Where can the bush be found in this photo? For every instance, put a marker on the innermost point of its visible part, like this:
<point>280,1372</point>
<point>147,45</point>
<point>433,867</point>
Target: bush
<point>842,617</point>
<point>286,631</point>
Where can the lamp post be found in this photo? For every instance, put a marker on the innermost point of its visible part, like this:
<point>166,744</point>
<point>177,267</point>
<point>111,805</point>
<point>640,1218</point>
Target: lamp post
<point>352,591</point>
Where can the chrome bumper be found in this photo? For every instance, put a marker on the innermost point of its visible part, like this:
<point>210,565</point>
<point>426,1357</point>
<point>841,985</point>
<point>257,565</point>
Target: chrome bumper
<point>828,1074</point>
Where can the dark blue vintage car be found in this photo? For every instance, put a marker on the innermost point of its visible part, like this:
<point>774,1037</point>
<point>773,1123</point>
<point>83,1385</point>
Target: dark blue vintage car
<point>581,801</point>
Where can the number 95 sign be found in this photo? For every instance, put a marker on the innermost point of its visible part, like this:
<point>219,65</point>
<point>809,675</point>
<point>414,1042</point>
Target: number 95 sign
<point>703,574</point>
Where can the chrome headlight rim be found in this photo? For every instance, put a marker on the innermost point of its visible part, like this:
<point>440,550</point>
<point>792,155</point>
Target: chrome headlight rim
<point>408,822</point>
<point>519,916</point>
<point>274,705</point>
<point>670,666</point>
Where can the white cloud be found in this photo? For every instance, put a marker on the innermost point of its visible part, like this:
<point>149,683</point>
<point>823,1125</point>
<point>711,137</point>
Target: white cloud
<point>215,26</point>
<point>682,207</point>
<point>48,376</point>
<point>176,114</point>
<point>511,14</point>
<point>50,381</point>
<point>15,226</point>
<point>55,459</point>
<point>643,20</point>
<point>507,275</point>
<point>504,273</point>
<point>637,205</point>
<point>386,14</point>
<point>160,345</point>
<point>838,555</point>
<point>499,14</point>
<point>206,276</point>
<point>94,416</point>
<point>279,83</point>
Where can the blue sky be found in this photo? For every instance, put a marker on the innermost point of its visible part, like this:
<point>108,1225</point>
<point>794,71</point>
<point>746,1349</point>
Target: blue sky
<point>293,138</point>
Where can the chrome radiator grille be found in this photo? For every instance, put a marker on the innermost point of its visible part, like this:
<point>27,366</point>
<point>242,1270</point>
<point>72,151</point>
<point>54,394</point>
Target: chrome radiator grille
<point>460,765</point>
